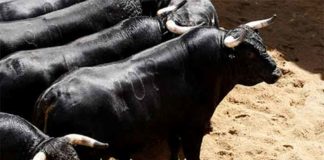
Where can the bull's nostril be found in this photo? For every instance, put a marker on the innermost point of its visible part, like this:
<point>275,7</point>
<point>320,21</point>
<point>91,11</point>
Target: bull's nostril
<point>275,75</point>
<point>277,72</point>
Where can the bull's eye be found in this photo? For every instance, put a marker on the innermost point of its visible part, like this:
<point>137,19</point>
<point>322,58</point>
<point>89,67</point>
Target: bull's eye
<point>250,55</point>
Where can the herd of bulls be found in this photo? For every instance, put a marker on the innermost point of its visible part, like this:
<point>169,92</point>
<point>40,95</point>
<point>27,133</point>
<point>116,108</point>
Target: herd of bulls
<point>125,72</point>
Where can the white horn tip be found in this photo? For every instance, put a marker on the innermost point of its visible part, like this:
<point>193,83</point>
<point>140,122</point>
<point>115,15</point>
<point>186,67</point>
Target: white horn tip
<point>100,145</point>
<point>77,139</point>
<point>174,28</point>
<point>231,42</point>
<point>261,23</point>
<point>40,156</point>
<point>274,16</point>
<point>166,10</point>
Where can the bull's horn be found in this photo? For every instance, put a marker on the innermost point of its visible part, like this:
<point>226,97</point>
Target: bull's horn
<point>174,28</point>
<point>169,9</point>
<point>77,139</point>
<point>232,42</point>
<point>40,156</point>
<point>261,23</point>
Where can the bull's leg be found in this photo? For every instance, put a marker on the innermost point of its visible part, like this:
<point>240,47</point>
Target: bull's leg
<point>174,145</point>
<point>191,143</point>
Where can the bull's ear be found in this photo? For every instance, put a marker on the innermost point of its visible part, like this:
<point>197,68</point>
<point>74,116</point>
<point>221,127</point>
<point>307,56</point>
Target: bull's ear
<point>77,139</point>
<point>40,156</point>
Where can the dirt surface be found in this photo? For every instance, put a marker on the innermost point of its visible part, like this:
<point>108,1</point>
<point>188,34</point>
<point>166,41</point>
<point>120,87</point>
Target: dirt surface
<point>285,120</point>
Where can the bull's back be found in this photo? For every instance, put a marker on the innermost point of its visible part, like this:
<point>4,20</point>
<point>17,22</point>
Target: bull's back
<point>16,9</point>
<point>23,78</point>
<point>122,99</point>
<point>88,90</point>
<point>112,102</point>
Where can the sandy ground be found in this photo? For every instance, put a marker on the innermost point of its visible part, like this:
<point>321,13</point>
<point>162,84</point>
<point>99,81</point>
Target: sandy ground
<point>285,120</point>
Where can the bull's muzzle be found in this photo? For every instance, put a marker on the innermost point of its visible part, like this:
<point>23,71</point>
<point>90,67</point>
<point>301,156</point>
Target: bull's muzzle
<point>276,74</point>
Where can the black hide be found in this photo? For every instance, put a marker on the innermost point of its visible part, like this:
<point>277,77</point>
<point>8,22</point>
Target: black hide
<point>59,27</point>
<point>26,74</point>
<point>22,9</point>
<point>18,138</point>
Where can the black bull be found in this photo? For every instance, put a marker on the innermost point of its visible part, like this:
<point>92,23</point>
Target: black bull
<point>20,140</point>
<point>167,92</point>
<point>64,25</point>
<point>26,74</point>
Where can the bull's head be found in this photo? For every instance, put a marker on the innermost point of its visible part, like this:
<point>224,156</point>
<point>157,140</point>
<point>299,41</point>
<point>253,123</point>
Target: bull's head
<point>62,148</point>
<point>184,16</point>
<point>250,54</point>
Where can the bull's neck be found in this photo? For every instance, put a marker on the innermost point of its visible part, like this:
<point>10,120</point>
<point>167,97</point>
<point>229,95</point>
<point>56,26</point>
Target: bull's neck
<point>209,60</point>
<point>30,140</point>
